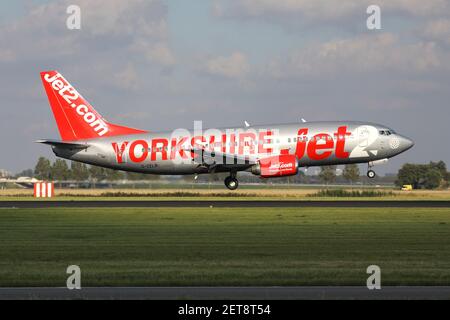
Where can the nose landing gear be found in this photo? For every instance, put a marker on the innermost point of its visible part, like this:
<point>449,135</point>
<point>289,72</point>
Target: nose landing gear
<point>231,182</point>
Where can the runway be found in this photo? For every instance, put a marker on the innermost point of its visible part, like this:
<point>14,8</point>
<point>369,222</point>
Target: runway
<point>222,204</point>
<point>227,293</point>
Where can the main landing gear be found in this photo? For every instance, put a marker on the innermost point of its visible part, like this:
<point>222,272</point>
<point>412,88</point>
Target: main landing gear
<point>231,182</point>
<point>370,173</point>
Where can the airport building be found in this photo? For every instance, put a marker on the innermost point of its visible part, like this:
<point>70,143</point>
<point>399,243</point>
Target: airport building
<point>4,173</point>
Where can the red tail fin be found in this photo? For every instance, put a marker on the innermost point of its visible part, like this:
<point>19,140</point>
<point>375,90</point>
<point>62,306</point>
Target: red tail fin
<point>75,117</point>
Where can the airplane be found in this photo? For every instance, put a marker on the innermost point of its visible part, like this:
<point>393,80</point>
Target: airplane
<point>267,151</point>
<point>25,182</point>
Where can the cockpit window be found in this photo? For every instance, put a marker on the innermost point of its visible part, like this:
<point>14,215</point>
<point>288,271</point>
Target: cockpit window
<point>386,132</point>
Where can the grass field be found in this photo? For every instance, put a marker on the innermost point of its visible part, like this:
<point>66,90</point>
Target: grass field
<point>243,246</point>
<point>218,194</point>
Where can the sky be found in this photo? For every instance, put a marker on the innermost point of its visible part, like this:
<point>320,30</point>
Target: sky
<point>161,65</point>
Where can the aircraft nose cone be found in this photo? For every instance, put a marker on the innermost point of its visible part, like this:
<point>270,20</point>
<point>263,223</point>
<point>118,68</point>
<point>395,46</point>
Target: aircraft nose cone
<point>407,143</point>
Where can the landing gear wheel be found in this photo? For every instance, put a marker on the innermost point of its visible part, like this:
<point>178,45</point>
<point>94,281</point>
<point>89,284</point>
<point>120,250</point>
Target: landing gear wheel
<point>231,183</point>
<point>371,174</point>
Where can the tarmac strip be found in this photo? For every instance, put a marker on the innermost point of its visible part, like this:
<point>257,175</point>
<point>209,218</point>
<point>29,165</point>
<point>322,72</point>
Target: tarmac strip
<point>228,293</point>
<point>223,204</point>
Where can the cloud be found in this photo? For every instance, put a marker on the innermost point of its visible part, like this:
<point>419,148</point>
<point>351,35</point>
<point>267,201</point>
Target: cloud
<point>114,27</point>
<point>120,62</point>
<point>159,53</point>
<point>361,54</point>
<point>127,78</point>
<point>118,17</point>
<point>234,66</point>
<point>287,12</point>
<point>438,30</point>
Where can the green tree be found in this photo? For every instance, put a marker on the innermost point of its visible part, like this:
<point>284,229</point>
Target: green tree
<point>113,175</point>
<point>60,170</point>
<point>428,176</point>
<point>141,176</point>
<point>188,178</point>
<point>327,174</point>
<point>79,171</point>
<point>43,169</point>
<point>440,166</point>
<point>433,179</point>
<point>97,173</point>
<point>215,177</point>
<point>412,174</point>
<point>351,173</point>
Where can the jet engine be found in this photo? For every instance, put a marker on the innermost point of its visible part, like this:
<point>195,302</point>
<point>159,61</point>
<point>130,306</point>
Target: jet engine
<point>276,166</point>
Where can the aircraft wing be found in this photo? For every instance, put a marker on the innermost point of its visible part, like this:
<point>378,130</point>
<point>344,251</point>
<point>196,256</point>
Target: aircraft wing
<point>63,144</point>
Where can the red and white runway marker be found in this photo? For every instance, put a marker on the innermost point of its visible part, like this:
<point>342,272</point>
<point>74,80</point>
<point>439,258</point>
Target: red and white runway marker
<point>44,190</point>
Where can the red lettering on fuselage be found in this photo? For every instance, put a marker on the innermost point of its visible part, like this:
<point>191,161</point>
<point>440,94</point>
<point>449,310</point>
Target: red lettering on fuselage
<point>224,143</point>
<point>320,142</point>
<point>301,143</point>
<point>341,135</point>
<point>197,142</point>
<point>143,156</point>
<point>119,151</point>
<point>177,147</point>
<point>263,140</point>
<point>159,146</point>
<point>232,143</point>
<point>247,140</point>
<point>318,147</point>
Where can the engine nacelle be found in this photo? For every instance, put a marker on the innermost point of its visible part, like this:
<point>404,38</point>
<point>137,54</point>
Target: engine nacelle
<point>276,166</point>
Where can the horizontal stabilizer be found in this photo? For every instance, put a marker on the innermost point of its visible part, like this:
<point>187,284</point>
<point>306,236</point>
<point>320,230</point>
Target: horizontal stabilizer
<point>71,145</point>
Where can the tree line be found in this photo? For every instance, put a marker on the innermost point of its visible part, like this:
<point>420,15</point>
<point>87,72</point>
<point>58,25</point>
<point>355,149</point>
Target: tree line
<point>424,176</point>
<point>61,171</point>
<point>350,173</point>
<point>421,176</point>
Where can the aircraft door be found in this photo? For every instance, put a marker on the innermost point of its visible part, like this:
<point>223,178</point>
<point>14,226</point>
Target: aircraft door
<point>363,134</point>
<point>365,137</point>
